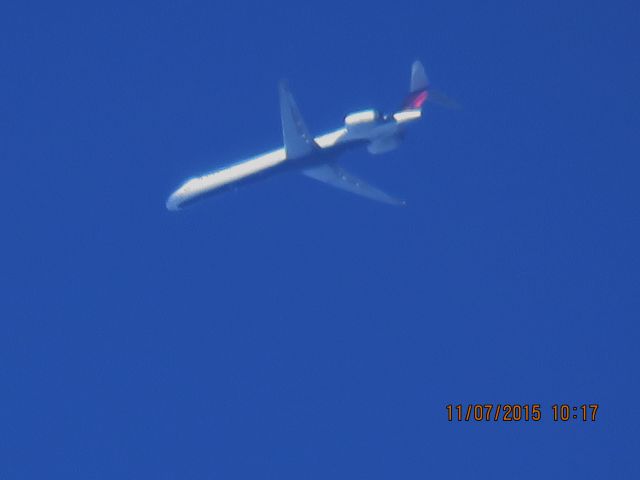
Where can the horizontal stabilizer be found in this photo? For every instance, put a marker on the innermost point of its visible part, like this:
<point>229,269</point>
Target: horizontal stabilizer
<point>297,140</point>
<point>337,177</point>
<point>439,98</point>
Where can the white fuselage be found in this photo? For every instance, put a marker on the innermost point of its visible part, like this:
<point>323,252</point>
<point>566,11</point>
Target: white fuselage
<point>376,133</point>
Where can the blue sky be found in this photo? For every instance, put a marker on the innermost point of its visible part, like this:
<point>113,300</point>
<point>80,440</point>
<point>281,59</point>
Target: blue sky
<point>287,330</point>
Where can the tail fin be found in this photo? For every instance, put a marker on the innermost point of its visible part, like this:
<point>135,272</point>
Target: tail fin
<point>419,79</point>
<point>418,88</point>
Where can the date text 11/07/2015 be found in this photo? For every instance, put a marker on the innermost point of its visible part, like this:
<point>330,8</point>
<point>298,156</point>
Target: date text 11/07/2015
<point>520,412</point>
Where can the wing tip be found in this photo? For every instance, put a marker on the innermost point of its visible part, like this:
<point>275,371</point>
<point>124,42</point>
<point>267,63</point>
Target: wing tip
<point>396,202</point>
<point>283,83</point>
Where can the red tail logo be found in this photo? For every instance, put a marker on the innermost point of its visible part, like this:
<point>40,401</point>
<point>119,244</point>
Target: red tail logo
<point>416,99</point>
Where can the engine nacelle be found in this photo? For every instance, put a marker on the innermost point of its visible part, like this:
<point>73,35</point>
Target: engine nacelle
<point>359,119</point>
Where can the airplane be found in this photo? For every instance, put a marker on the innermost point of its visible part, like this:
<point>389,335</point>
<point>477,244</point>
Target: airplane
<point>316,157</point>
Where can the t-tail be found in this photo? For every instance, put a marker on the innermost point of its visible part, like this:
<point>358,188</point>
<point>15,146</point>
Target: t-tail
<point>420,91</point>
<point>418,88</point>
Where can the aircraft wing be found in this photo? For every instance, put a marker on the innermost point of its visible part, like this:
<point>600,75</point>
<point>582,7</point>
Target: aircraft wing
<point>337,177</point>
<point>297,140</point>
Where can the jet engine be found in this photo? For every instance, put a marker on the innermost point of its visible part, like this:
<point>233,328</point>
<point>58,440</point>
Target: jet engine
<point>361,123</point>
<point>370,125</point>
<point>362,117</point>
